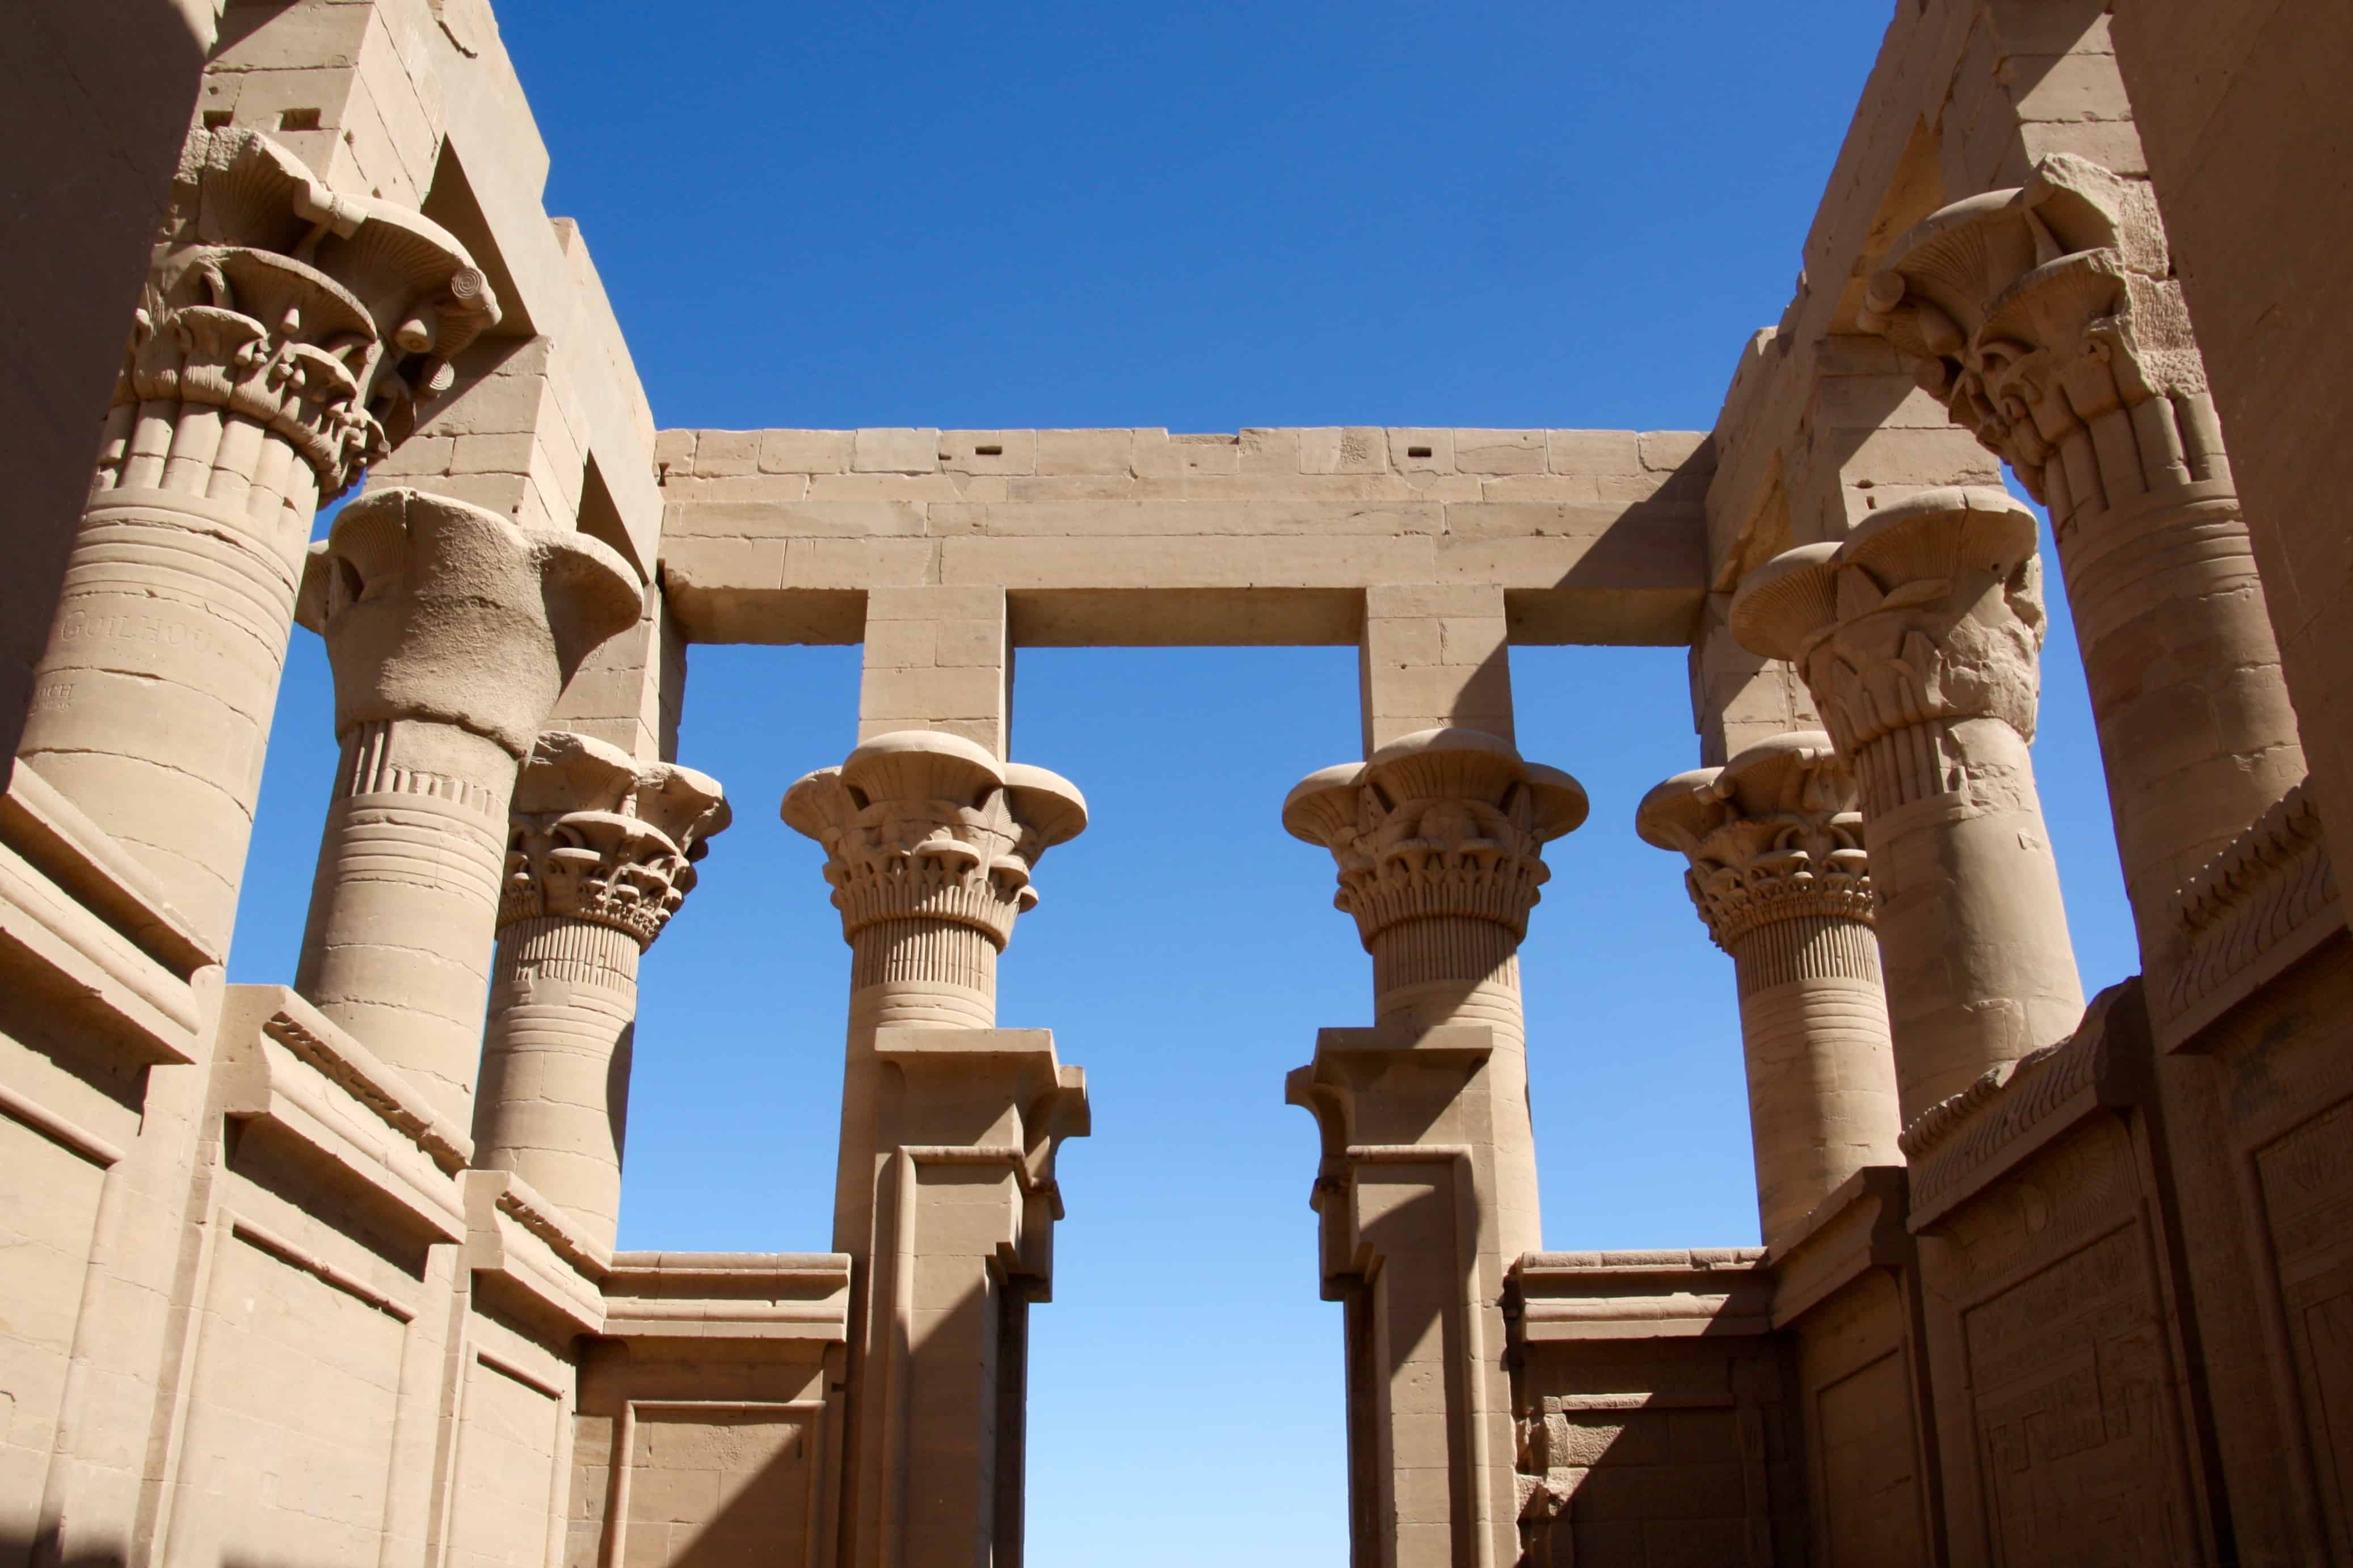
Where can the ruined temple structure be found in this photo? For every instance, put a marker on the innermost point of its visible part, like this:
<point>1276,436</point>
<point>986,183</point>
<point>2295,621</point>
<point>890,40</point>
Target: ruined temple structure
<point>324,1273</point>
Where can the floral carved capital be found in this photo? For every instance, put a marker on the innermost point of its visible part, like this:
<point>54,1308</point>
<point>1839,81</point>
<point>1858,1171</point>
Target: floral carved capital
<point>2047,320</point>
<point>324,317</point>
<point>1775,834</point>
<point>921,824</point>
<point>1928,614</point>
<point>1439,824</point>
<point>595,835</point>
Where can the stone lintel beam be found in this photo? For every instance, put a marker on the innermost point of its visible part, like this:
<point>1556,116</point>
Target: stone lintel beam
<point>1779,877</point>
<point>601,852</point>
<point>1918,637</point>
<point>450,632</point>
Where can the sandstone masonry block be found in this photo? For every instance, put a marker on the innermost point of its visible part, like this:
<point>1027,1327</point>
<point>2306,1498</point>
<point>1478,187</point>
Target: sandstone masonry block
<point>806,451</point>
<point>895,450</point>
<point>1499,451</point>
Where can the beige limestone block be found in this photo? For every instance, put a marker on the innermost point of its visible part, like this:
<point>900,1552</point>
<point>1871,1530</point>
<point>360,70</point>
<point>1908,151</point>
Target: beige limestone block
<point>1434,657</point>
<point>895,451</point>
<point>450,632</point>
<point>1918,637</point>
<point>806,451</point>
<point>1344,450</point>
<point>1499,451</point>
<point>1086,451</point>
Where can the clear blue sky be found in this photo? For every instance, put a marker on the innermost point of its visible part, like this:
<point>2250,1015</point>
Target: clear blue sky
<point>1199,217</point>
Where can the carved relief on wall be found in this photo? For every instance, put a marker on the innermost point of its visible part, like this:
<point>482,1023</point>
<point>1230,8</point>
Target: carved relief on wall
<point>2307,1180</point>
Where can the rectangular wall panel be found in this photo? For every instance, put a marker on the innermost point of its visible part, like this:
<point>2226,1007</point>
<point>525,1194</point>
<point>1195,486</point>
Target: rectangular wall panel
<point>288,1452</point>
<point>506,1471</point>
<point>49,1208</point>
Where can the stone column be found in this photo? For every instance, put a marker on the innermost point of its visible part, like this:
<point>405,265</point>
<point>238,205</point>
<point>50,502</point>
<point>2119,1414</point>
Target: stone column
<point>1440,839</point>
<point>1918,637</point>
<point>285,336</point>
<point>2049,321</point>
<point>1781,882</point>
<point>930,844</point>
<point>600,853</point>
<point>451,631</point>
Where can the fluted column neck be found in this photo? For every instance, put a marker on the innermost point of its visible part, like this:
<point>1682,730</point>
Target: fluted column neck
<point>1779,876</point>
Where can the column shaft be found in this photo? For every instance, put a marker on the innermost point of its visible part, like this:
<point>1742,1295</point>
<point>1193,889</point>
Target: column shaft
<point>405,902</point>
<point>555,1101</point>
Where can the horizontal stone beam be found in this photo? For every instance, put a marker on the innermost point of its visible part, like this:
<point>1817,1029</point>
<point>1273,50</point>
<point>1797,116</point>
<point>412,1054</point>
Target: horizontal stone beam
<point>1138,537</point>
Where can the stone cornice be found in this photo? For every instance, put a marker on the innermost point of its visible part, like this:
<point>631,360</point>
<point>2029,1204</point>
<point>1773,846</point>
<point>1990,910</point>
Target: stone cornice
<point>2265,902</point>
<point>1961,1144</point>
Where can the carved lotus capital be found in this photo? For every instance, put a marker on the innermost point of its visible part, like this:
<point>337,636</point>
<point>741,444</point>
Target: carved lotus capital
<point>921,824</point>
<point>594,835</point>
<point>1774,834</point>
<point>435,610</point>
<point>1928,613</point>
<point>324,317</point>
<point>2047,320</point>
<point>1438,823</point>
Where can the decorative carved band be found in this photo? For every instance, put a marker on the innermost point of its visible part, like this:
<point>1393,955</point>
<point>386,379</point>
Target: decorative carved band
<point>2251,899</point>
<point>1442,825</point>
<point>368,769</point>
<point>919,824</point>
<point>575,952</point>
<point>595,836</point>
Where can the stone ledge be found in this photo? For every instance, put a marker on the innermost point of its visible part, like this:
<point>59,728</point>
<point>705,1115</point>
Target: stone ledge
<point>2268,900</point>
<point>1682,1293</point>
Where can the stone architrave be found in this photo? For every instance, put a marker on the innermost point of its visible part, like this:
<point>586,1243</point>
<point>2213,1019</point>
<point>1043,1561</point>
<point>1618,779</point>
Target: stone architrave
<point>1780,879</point>
<point>1918,637</point>
<point>451,631</point>
<point>601,851</point>
<point>1439,840</point>
<point>2049,321</point>
<point>930,846</point>
<point>286,336</point>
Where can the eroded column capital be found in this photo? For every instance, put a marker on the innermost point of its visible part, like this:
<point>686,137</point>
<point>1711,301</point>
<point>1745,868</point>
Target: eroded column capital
<point>1775,834</point>
<point>1930,613</point>
<point>1438,823</point>
<point>437,611</point>
<point>922,824</point>
<point>593,835</point>
<point>324,317</point>
<point>2047,320</point>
